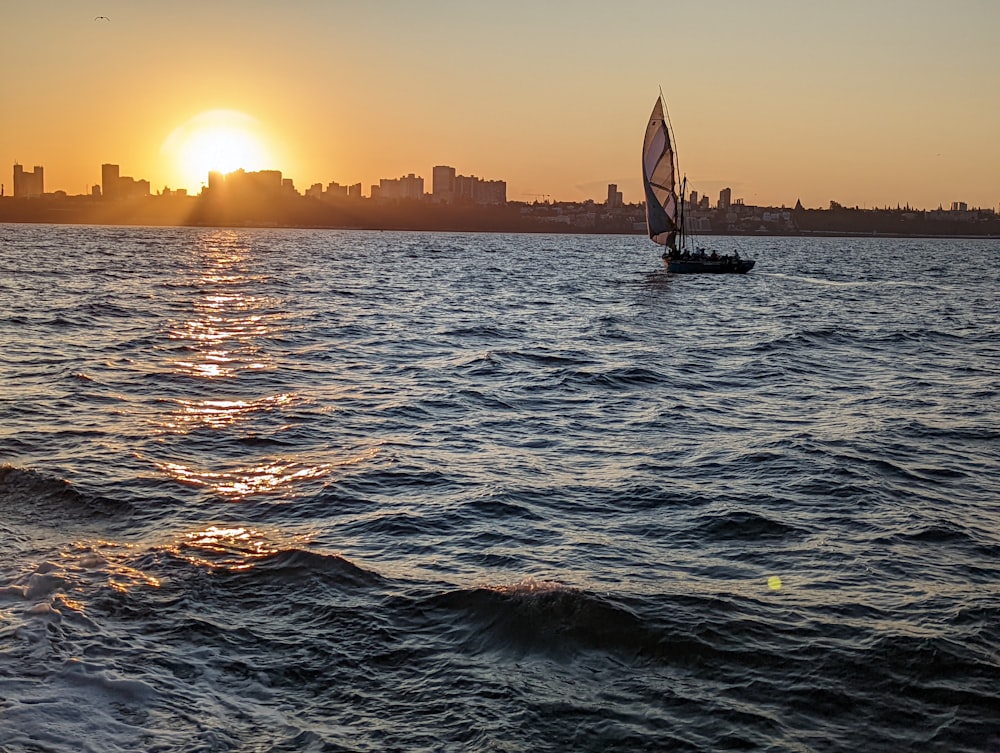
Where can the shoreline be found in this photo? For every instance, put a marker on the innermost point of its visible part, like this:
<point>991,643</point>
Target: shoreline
<point>417,216</point>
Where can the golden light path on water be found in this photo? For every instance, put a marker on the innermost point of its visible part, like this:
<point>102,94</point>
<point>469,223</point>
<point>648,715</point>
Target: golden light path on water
<point>233,548</point>
<point>58,583</point>
<point>246,480</point>
<point>218,414</point>
<point>221,344</point>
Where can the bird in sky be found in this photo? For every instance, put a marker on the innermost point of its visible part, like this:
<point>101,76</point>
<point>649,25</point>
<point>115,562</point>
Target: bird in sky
<point>101,18</point>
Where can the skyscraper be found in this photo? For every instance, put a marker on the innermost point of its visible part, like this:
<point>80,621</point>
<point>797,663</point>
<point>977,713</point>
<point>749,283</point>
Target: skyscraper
<point>28,185</point>
<point>443,184</point>
<point>110,176</point>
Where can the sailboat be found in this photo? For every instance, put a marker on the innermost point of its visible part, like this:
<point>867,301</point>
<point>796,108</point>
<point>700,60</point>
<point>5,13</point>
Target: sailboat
<point>665,209</point>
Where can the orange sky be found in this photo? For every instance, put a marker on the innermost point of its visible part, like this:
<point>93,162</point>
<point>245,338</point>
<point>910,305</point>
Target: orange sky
<point>866,102</point>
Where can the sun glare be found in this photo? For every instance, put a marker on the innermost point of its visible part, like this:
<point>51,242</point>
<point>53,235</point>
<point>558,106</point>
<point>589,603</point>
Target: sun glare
<point>216,140</point>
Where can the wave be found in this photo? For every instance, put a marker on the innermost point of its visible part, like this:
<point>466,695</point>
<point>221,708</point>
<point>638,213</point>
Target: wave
<point>537,617</point>
<point>106,309</point>
<point>297,563</point>
<point>741,525</point>
<point>240,580</point>
<point>484,331</point>
<point>542,358</point>
<point>618,378</point>
<point>35,497</point>
<point>948,539</point>
<point>808,338</point>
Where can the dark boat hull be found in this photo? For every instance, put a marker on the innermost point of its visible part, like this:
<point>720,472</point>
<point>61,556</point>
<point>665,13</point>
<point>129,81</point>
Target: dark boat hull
<point>709,266</point>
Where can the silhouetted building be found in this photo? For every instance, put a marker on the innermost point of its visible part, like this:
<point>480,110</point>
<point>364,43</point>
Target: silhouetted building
<point>472,190</point>
<point>449,188</point>
<point>336,191</point>
<point>261,181</point>
<point>490,191</point>
<point>109,181</point>
<point>28,185</point>
<point>725,198</point>
<point>408,187</point>
<point>115,186</point>
<point>443,184</point>
<point>615,198</point>
<point>240,187</point>
<point>216,181</point>
<point>465,189</point>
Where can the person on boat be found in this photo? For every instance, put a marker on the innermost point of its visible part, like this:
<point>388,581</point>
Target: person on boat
<point>671,244</point>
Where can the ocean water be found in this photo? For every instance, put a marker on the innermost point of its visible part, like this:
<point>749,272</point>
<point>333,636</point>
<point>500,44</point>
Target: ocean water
<point>290,490</point>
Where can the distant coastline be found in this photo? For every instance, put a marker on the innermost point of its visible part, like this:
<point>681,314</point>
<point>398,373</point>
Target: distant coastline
<point>537,217</point>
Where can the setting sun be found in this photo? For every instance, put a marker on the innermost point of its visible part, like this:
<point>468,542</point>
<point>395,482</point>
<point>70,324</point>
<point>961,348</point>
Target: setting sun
<point>216,140</point>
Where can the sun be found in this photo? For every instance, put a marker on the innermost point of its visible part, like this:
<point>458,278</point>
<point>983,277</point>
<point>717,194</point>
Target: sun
<point>215,140</point>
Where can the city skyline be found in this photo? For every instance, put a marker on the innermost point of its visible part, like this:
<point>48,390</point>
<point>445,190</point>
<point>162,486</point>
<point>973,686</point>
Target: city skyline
<point>867,105</point>
<point>410,186</point>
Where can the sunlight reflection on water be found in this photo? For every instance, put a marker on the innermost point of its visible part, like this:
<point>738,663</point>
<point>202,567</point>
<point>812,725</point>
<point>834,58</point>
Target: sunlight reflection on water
<point>225,338</point>
<point>190,415</point>
<point>244,481</point>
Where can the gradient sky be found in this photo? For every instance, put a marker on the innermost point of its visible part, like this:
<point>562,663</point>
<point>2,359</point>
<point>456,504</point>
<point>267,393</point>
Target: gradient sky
<point>866,102</point>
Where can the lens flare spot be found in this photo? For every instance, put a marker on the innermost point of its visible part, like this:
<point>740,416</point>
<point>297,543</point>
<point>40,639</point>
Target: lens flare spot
<point>774,583</point>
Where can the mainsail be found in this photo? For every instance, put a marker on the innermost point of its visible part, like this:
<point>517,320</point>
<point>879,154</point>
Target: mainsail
<point>659,178</point>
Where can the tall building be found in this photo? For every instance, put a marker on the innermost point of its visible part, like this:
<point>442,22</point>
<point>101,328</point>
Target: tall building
<point>109,181</point>
<point>28,185</point>
<point>450,188</point>
<point>465,188</point>
<point>491,191</point>
<point>443,184</point>
<point>408,187</point>
<point>725,198</point>
<point>216,180</point>
<point>614,196</point>
<point>335,191</point>
<point>472,190</point>
<point>116,186</point>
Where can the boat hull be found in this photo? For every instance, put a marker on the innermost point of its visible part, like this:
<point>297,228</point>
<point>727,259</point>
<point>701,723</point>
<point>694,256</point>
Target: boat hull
<point>709,266</point>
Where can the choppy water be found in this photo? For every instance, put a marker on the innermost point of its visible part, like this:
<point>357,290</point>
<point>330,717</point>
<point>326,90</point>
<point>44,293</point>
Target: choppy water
<point>345,491</point>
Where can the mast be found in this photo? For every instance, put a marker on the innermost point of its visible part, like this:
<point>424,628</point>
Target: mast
<point>680,231</point>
